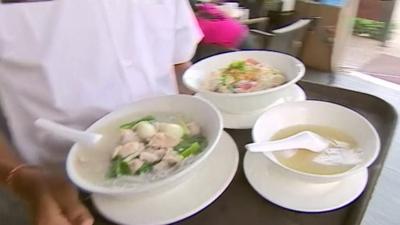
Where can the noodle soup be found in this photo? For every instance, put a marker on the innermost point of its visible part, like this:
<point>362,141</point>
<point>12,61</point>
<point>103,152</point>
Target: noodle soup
<point>244,76</point>
<point>144,150</point>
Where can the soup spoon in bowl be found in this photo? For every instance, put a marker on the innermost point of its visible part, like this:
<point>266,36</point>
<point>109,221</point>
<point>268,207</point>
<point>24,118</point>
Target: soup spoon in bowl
<point>78,136</point>
<point>303,140</point>
<point>332,152</point>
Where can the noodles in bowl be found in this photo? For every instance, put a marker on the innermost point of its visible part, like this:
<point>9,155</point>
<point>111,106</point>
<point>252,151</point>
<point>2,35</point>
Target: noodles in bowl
<point>148,149</point>
<point>244,76</point>
<point>244,81</point>
<point>139,153</point>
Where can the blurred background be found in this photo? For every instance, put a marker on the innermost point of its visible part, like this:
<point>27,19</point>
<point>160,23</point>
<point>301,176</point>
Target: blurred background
<point>355,37</point>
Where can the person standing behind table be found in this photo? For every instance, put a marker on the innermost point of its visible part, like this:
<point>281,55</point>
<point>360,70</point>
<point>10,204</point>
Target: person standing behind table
<point>72,62</point>
<point>220,29</point>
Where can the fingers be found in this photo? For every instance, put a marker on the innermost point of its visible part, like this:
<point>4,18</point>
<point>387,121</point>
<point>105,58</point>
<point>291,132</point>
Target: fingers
<point>66,197</point>
<point>77,214</point>
<point>53,201</point>
<point>46,218</point>
<point>49,213</point>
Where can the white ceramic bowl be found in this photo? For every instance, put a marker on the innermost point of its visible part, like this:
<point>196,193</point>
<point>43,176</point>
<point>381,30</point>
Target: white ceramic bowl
<point>322,114</point>
<point>194,78</point>
<point>82,160</point>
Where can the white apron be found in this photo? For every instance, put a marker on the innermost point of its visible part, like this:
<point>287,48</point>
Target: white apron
<point>72,61</point>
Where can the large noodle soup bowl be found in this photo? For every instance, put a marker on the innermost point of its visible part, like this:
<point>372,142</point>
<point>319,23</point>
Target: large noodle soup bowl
<point>87,166</point>
<point>196,76</point>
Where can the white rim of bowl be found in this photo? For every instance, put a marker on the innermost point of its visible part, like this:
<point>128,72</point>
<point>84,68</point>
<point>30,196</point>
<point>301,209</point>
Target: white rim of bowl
<point>93,188</point>
<point>298,64</point>
<point>336,175</point>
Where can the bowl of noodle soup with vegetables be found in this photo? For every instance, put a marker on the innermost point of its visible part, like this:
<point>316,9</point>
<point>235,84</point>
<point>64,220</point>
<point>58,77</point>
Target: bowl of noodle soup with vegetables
<point>152,143</point>
<point>244,81</point>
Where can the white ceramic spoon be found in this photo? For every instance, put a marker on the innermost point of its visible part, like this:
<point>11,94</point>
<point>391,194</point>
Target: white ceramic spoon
<point>68,133</point>
<point>332,151</point>
<point>304,140</point>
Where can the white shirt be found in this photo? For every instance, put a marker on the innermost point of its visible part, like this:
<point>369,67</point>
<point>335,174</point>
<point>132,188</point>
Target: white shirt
<point>72,61</point>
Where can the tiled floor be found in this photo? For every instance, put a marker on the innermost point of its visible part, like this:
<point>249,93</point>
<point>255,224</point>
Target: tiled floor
<point>359,51</point>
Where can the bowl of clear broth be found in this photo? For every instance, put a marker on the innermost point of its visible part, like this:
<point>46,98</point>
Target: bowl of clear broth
<point>358,141</point>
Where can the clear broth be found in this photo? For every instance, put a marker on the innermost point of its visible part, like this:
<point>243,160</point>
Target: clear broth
<point>302,159</point>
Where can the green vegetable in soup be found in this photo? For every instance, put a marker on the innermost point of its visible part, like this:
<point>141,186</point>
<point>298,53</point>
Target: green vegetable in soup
<point>231,88</point>
<point>145,168</point>
<point>238,65</point>
<point>188,141</point>
<point>188,146</point>
<point>118,168</point>
<point>194,149</point>
<point>131,125</point>
<point>223,79</point>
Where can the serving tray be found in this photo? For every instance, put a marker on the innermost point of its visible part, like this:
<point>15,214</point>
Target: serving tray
<point>241,205</point>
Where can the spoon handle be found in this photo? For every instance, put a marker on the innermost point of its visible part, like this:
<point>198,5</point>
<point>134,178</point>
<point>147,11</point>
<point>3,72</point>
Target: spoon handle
<point>68,133</point>
<point>271,146</point>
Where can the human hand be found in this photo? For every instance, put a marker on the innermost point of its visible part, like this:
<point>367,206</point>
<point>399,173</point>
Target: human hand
<point>179,71</point>
<point>51,198</point>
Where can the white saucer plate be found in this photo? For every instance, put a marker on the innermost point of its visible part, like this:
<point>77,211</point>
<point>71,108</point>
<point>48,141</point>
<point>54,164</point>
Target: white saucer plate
<point>246,121</point>
<point>288,192</point>
<point>169,206</point>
